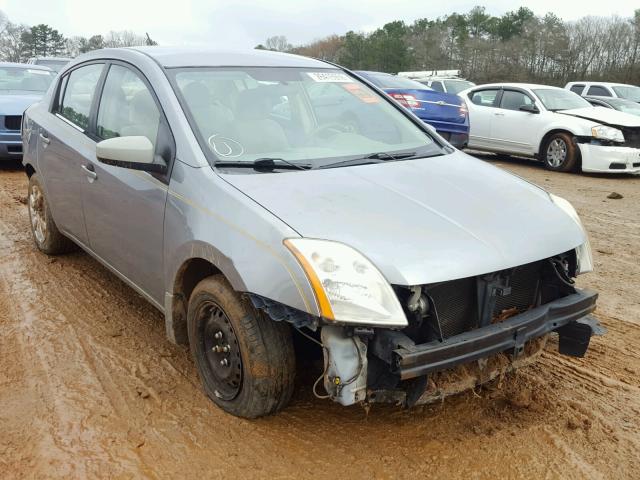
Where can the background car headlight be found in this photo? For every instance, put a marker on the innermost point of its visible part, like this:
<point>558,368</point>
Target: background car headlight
<point>348,287</point>
<point>602,132</point>
<point>583,252</point>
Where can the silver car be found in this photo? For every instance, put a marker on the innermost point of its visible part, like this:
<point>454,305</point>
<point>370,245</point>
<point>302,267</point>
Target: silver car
<point>255,196</point>
<point>20,86</point>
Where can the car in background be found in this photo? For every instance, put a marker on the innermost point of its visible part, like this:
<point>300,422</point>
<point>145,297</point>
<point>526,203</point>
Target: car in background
<point>554,125</point>
<point>54,63</point>
<point>605,89</point>
<point>20,86</point>
<point>446,85</point>
<point>620,104</point>
<point>445,112</point>
<point>399,256</point>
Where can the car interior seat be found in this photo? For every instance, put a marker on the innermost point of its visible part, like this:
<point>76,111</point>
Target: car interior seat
<point>254,130</point>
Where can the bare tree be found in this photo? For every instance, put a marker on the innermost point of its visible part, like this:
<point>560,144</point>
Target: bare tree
<point>278,43</point>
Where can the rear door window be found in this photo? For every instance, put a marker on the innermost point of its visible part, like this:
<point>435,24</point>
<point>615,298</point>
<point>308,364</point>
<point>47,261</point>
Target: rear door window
<point>77,92</point>
<point>484,98</point>
<point>599,91</point>
<point>577,89</point>
<point>437,86</point>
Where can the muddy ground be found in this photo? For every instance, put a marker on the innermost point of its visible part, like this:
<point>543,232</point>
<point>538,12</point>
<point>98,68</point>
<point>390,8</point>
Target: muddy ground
<point>89,387</point>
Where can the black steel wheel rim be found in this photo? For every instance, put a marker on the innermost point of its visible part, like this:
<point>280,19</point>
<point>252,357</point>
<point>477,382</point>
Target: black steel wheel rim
<point>221,351</point>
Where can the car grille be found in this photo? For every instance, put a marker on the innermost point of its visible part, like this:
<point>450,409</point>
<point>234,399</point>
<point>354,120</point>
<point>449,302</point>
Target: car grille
<point>12,122</point>
<point>631,137</point>
<point>456,302</point>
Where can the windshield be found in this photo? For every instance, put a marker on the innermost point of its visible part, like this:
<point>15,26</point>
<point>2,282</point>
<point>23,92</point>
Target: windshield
<point>625,106</point>
<point>384,80</point>
<point>630,92</point>
<point>312,117</point>
<point>456,86</point>
<point>559,99</point>
<point>29,79</point>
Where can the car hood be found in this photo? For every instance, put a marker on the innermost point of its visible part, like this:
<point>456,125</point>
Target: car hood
<point>420,221</point>
<point>15,102</point>
<point>605,116</point>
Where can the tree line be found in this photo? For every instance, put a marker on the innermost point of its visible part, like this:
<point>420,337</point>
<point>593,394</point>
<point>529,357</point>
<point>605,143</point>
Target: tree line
<point>19,42</point>
<point>518,46</point>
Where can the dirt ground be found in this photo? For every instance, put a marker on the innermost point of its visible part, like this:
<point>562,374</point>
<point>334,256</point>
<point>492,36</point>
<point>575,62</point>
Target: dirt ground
<point>90,387</point>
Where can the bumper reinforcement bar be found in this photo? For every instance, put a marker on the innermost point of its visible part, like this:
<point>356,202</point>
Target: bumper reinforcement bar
<point>569,316</point>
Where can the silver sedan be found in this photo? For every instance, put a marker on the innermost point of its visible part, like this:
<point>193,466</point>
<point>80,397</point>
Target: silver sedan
<point>254,196</point>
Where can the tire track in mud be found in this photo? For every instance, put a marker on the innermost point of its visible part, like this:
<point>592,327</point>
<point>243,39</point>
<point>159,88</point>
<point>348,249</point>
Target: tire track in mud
<point>107,395</point>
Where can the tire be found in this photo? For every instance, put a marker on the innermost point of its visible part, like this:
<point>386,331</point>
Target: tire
<point>258,376</point>
<point>45,233</point>
<point>560,153</point>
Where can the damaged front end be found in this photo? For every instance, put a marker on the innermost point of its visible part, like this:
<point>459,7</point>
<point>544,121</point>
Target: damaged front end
<point>460,333</point>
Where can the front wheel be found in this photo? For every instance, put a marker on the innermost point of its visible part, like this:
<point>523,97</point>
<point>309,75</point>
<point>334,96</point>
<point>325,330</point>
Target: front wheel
<point>245,361</point>
<point>560,153</point>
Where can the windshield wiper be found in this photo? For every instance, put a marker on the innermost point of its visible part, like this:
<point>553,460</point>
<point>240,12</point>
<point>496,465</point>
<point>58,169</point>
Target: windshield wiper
<point>265,164</point>
<point>379,157</point>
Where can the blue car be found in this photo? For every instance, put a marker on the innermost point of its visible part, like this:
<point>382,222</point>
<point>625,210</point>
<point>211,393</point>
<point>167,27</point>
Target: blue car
<point>20,86</point>
<point>445,112</point>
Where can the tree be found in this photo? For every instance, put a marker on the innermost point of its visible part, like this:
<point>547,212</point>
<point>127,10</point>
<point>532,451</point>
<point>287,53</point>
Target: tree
<point>278,43</point>
<point>12,48</point>
<point>42,40</point>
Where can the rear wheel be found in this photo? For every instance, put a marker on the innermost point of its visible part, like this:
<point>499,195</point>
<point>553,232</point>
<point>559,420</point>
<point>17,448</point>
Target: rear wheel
<point>245,361</point>
<point>46,235</point>
<point>560,153</point>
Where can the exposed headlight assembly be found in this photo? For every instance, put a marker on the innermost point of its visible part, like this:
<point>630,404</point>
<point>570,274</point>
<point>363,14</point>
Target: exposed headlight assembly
<point>348,287</point>
<point>583,252</point>
<point>602,132</point>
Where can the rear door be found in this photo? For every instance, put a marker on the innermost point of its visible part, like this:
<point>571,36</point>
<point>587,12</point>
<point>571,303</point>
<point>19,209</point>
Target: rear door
<point>513,130</point>
<point>124,208</point>
<point>482,107</point>
<point>63,145</point>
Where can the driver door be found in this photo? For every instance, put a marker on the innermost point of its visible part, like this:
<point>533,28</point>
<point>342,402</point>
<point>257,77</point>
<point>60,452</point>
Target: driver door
<point>512,129</point>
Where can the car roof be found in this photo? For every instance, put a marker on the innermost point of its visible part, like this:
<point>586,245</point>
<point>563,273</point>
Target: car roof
<point>173,57</point>
<point>514,85</point>
<point>66,59</point>
<point>371,72</point>
<point>608,84</point>
<point>30,66</point>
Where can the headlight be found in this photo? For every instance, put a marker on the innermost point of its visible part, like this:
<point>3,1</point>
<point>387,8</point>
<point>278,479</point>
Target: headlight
<point>348,287</point>
<point>583,252</point>
<point>602,132</point>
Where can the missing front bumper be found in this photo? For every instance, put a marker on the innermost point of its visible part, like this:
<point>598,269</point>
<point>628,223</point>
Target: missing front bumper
<point>569,316</point>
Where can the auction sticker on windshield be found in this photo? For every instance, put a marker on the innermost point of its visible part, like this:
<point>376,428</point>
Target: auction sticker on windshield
<point>334,77</point>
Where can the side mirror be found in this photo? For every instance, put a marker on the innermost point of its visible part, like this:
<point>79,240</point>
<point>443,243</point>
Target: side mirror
<point>530,108</point>
<point>134,152</point>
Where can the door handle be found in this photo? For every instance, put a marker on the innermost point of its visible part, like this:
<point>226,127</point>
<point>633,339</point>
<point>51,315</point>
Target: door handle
<point>90,172</point>
<point>44,138</point>
<point>499,114</point>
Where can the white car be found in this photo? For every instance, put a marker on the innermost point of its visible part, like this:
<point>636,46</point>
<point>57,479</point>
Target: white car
<point>605,89</point>
<point>554,125</point>
<point>446,85</point>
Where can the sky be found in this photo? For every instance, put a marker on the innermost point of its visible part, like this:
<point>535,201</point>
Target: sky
<point>246,23</point>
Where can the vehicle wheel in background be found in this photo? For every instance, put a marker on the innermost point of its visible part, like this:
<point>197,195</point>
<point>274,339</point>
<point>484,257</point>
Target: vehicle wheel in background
<point>46,235</point>
<point>245,361</point>
<point>560,153</point>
